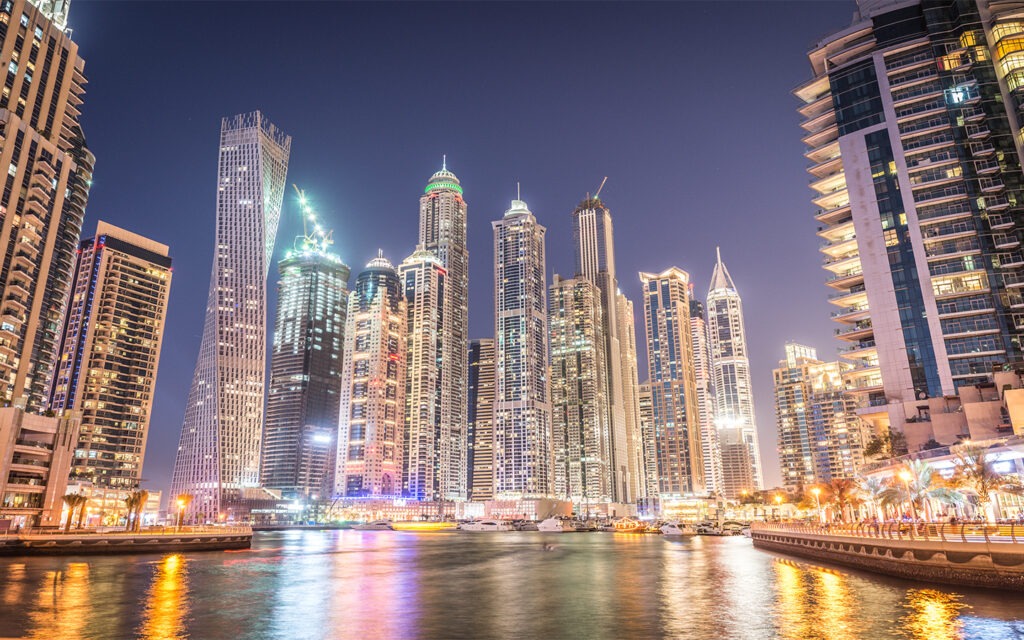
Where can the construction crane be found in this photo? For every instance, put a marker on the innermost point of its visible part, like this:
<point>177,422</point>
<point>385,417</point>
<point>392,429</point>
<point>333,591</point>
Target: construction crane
<point>598,192</point>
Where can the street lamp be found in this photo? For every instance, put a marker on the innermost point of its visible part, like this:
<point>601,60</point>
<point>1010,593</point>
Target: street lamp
<point>778,504</point>
<point>817,491</point>
<point>181,511</point>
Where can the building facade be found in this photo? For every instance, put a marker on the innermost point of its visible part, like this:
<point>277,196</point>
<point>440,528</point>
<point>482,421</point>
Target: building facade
<point>631,393</point>
<point>480,455</point>
<point>675,415</point>
<point>301,422</point>
<point>649,441</point>
<point>913,130</point>
<point>819,433</point>
<point>371,420</point>
<point>705,397</point>
<point>45,192</point>
<point>110,352</point>
<point>522,405</point>
<point>219,451</point>
<point>443,233</point>
<point>595,260</point>
<point>581,418</point>
<point>730,366</point>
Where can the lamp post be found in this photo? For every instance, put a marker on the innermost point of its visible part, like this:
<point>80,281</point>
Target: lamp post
<point>778,505</point>
<point>817,491</point>
<point>181,512</point>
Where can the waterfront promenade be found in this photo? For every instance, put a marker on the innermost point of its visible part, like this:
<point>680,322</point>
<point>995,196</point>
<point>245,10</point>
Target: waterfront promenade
<point>969,554</point>
<point>150,540</point>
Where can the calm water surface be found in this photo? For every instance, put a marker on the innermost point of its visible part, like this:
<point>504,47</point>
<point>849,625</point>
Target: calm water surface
<point>381,584</point>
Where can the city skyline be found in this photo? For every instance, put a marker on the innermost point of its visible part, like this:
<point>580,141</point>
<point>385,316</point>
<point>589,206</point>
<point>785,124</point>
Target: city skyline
<point>349,191</point>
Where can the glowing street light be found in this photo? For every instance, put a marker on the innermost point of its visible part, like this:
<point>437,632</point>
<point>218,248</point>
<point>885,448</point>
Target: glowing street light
<point>817,492</point>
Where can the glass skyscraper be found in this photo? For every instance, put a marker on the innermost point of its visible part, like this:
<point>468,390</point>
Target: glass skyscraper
<point>219,451</point>
<point>480,457</point>
<point>705,397</point>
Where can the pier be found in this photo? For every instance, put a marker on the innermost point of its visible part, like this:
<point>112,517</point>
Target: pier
<point>976,555</point>
<point>156,540</point>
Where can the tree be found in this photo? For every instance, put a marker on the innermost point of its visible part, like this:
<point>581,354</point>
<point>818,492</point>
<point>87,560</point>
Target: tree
<point>73,501</point>
<point>891,444</point>
<point>81,511</point>
<point>976,473</point>
<point>916,483</point>
<point>873,489</point>
<point>842,494</point>
<point>136,502</point>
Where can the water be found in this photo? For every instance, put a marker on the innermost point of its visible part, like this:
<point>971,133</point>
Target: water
<point>382,584</point>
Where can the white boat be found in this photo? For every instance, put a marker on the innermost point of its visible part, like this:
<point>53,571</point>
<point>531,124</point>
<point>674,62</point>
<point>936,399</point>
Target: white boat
<point>678,529</point>
<point>557,525</point>
<point>486,525</point>
<point>376,525</point>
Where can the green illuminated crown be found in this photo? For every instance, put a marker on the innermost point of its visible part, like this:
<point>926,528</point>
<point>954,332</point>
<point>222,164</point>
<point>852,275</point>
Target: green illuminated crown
<point>443,180</point>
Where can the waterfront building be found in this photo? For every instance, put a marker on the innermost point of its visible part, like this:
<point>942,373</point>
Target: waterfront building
<point>431,460</point>
<point>371,419</point>
<point>705,396</point>
<point>35,459</point>
<point>480,454</point>
<point>730,366</point>
<point>443,233</point>
<point>675,416</point>
<point>631,394</point>
<point>595,260</point>
<point>109,353</point>
<point>46,188</point>
<point>219,451</point>
<point>914,136</point>
<point>581,429</point>
<point>737,467</point>
<point>648,441</point>
<point>301,422</point>
<point>522,406</point>
<point>819,433</point>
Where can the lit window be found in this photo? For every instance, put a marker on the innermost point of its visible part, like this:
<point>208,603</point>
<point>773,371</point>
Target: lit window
<point>24,19</point>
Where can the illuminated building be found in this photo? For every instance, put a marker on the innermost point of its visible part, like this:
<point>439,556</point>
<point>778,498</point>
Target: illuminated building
<point>581,429</point>
<point>370,423</point>
<point>631,393</point>
<point>46,188</point>
<point>646,413</point>
<point>301,422</point>
<point>219,451</point>
<point>730,369</point>
<point>522,406</point>
<point>443,233</point>
<point>595,260</point>
<point>480,455</point>
<point>705,397</point>
<point>431,458</point>
<point>110,353</point>
<point>912,121</point>
<point>819,432</point>
<point>675,416</point>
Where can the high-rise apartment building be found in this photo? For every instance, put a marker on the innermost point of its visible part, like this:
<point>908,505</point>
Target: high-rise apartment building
<point>818,429</point>
<point>648,441</point>
<point>301,422</point>
<point>914,135</point>
<point>522,405</point>
<point>631,394</point>
<point>110,351</point>
<point>219,451</point>
<point>595,260</point>
<point>730,366</point>
<point>675,415</point>
<point>371,420</point>
<point>443,233</point>
<point>431,460</point>
<point>46,188</point>
<point>705,396</point>
<point>737,467</point>
<point>480,455</point>
<point>581,429</point>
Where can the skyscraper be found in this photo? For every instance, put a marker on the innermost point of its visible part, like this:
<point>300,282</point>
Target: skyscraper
<point>730,366</point>
<point>480,456</point>
<point>300,430</point>
<point>649,441</point>
<point>370,424</point>
<point>915,143</point>
<point>431,461</point>
<point>110,352</point>
<point>46,188</point>
<point>675,415</point>
<point>219,452</point>
<point>522,406</point>
<point>595,260</point>
<point>818,429</point>
<point>581,430</point>
<point>705,396</point>
<point>443,233</point>
<point>631,394</point>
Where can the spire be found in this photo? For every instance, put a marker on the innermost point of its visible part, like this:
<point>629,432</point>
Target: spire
<point>720,278</point>
<point>444,162</point>
<point>443,180</point>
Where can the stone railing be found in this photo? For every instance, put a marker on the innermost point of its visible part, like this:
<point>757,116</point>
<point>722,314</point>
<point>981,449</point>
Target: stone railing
<point>1010,533</point>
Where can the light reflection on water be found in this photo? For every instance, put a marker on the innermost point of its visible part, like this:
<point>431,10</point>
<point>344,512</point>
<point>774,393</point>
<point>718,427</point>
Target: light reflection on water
<point>377,584</point>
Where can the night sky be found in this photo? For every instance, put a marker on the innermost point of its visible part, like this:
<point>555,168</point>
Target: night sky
<point>686,107</point>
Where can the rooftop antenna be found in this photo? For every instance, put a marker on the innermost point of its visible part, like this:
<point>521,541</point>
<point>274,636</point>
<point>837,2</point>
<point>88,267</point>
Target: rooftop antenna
<point>444,162</point>
<point>517,191</point>
<point>318,239</point>
<point>597,194</point>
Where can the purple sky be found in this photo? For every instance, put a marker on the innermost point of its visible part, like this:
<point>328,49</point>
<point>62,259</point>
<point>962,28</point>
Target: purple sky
<point>685,106</point>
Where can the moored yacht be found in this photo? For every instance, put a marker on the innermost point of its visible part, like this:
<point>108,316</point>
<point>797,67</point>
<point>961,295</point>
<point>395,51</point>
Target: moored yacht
<point>486,525</point>
<point>557,525</point>
<point>376,525</point>
<point>678,529</point>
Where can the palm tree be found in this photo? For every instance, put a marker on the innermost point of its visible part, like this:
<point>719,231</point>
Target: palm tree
<point>140,507</point>
<point>917,483</point>
<point>976,473</point>
<point>873,488</point>
<point>82,503</point>
<point>73,500</point>
<point>843,495</point>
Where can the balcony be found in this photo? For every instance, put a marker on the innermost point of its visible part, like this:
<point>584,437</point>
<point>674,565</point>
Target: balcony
<point>924,58</point>
<point>921,127</point>
<point>935,141</point>
<point>1000,221</point>
<point>1005,240</point>
<point>996,203</point>
<point>986,167</point>
<point>902,97</point>
<point>973,114</point>
<point>935,196</point>
<point>920,110</point>
<point>977,131</point>
<point>910,79</point>
<point>851,314</point>
<point>864,349</point>
<point>991,185</point>
<point>846,279</point>
<point>858,331</point>
<point>981,149</point>
<point>1008,260</point>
